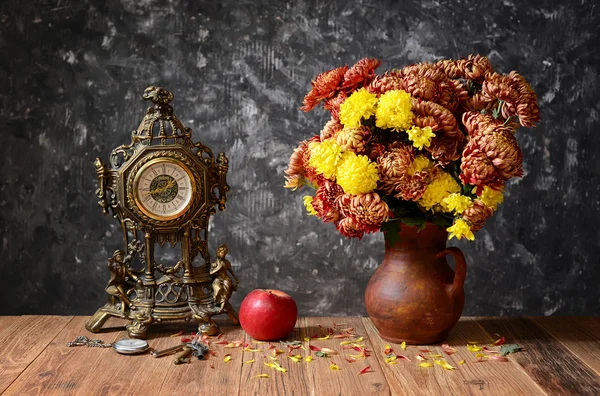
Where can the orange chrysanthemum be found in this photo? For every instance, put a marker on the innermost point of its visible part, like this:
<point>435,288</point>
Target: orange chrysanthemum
<point>435,116</point>
<point>352,139</point>
<point>368,211</point>
<point>477,214</point>
<point>295,172</point>
<point>393,165</point>
<point>331,128</point>
<point>475,67</point>
<point>324,87</point>
<point>389,81</point>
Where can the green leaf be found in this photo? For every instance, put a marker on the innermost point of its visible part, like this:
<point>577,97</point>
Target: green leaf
<point>415,221</point>
<point>321,354</point>
<point>509,348</point>
<point>391,231</point>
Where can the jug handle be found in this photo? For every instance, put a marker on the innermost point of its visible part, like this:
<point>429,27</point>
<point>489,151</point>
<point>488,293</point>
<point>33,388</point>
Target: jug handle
<point>460,272</point>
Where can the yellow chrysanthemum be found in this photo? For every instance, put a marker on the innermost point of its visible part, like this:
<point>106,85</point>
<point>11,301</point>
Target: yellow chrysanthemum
<point>308,205</point>
<point>359,105</point>
<point>325,157</point>
<point>442,186</point>
<point>420,163</point>
<point>394,110</point>
<point>356,174</point>
<point>420,136</point>
<point>456,203</point>
<point>491,197</point>
<point>460,229</point>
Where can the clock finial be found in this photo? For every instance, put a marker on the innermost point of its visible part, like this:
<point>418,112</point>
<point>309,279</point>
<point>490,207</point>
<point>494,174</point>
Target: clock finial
<point>158,95</point>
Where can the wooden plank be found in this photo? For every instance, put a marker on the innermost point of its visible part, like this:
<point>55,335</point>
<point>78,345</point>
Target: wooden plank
<point>407,378</point>
<point>547,361</point>
<point>292,382</point>
<point>580,335</point>
<point>198,377</point>
<point>23,340</point>
<point>324,381</point>
<point>60,369</point>
<point>7,321</point>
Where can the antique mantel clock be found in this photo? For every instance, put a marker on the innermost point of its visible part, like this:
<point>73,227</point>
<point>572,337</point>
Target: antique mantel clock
<point>162,188</point>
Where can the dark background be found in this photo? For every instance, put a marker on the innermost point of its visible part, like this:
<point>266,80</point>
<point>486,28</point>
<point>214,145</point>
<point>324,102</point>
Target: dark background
<point>71,78</point>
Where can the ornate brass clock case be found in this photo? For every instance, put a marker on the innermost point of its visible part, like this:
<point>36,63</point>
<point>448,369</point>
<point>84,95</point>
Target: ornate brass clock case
<point>162,188</point>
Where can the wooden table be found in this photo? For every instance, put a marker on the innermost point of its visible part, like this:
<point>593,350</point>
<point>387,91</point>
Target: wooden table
<point>561,356</point>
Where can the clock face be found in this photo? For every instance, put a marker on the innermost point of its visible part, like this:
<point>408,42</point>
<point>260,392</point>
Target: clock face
<point>163,189</point>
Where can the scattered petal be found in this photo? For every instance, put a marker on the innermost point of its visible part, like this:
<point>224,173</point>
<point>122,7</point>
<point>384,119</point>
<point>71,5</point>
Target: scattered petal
<point>271,346</point>
<point>499,341</point>
<point>351,360</point>
<point>186,339</point>
<point>461,362</point>
<point>473,342</point>
<point>219,336</point>
<point>212,353</point>
<point>223,342</point>
<point>387,349</point>
<point>308,359</point>
<point>212,366</point>
<point>420,357</point>
<point>473,348</point>
<point>425,364</point>
<point>314,348</point>
<point>306,339</point>
<point>295,358</point>
<point>448,349</point>
<point>348,329</point>
<point>179,333</point>
<point>276,366</point>
<point>444,364</point>
<point>498,358</point>
<point>329,351</point>
<point>402,357</point>
<point>340,336</point>
<point>334,366</point>
<point>390,358</point>
<point>262,376</point>
<point>276,352</point>
<point>488,350</point>
<point>435,355</point>
<point>365,370</point>
<point>227,358</point>
<point>248,349</point>
<point>345,342</point>
<point>249,361</point>
<point>403,345</point>
<point>323,338</point>
<point>425,350</point>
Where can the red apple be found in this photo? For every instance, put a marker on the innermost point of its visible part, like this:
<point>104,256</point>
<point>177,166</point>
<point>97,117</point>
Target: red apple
<point>268,314</point>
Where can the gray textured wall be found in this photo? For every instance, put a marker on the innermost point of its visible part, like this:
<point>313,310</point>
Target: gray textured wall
<point>71,76</point>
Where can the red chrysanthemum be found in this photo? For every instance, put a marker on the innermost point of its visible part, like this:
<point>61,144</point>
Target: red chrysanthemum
<point>361,74</point>
<point>326,200</point>
<point>324,87</point>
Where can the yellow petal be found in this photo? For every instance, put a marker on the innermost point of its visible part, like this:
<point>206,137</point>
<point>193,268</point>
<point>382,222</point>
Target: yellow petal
<point>334,367</point>
<point>425,364</point>
<point>323,338</point>
<point>308,359</point>
<point>473,342</point>
<point>473,348</point>
<point>249,361</point>
<point>433,355</point>
<point>345,342</point>
<point>227,359</point>
<point>262,376</point>
<point>461,362</point>
<point>403,345</point>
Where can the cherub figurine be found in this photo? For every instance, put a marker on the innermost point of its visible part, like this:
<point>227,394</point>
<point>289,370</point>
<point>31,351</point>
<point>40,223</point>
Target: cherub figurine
<point>119,271</point>
<point>223,286</point>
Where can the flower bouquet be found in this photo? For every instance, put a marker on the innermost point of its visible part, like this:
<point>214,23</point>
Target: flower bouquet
<point>430,143</point>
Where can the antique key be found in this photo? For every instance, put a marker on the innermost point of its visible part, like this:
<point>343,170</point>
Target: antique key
<point>184,357</point>
<point>167,351</point>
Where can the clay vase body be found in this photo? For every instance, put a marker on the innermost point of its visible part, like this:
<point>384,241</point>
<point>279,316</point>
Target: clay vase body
<point>414,295</point>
